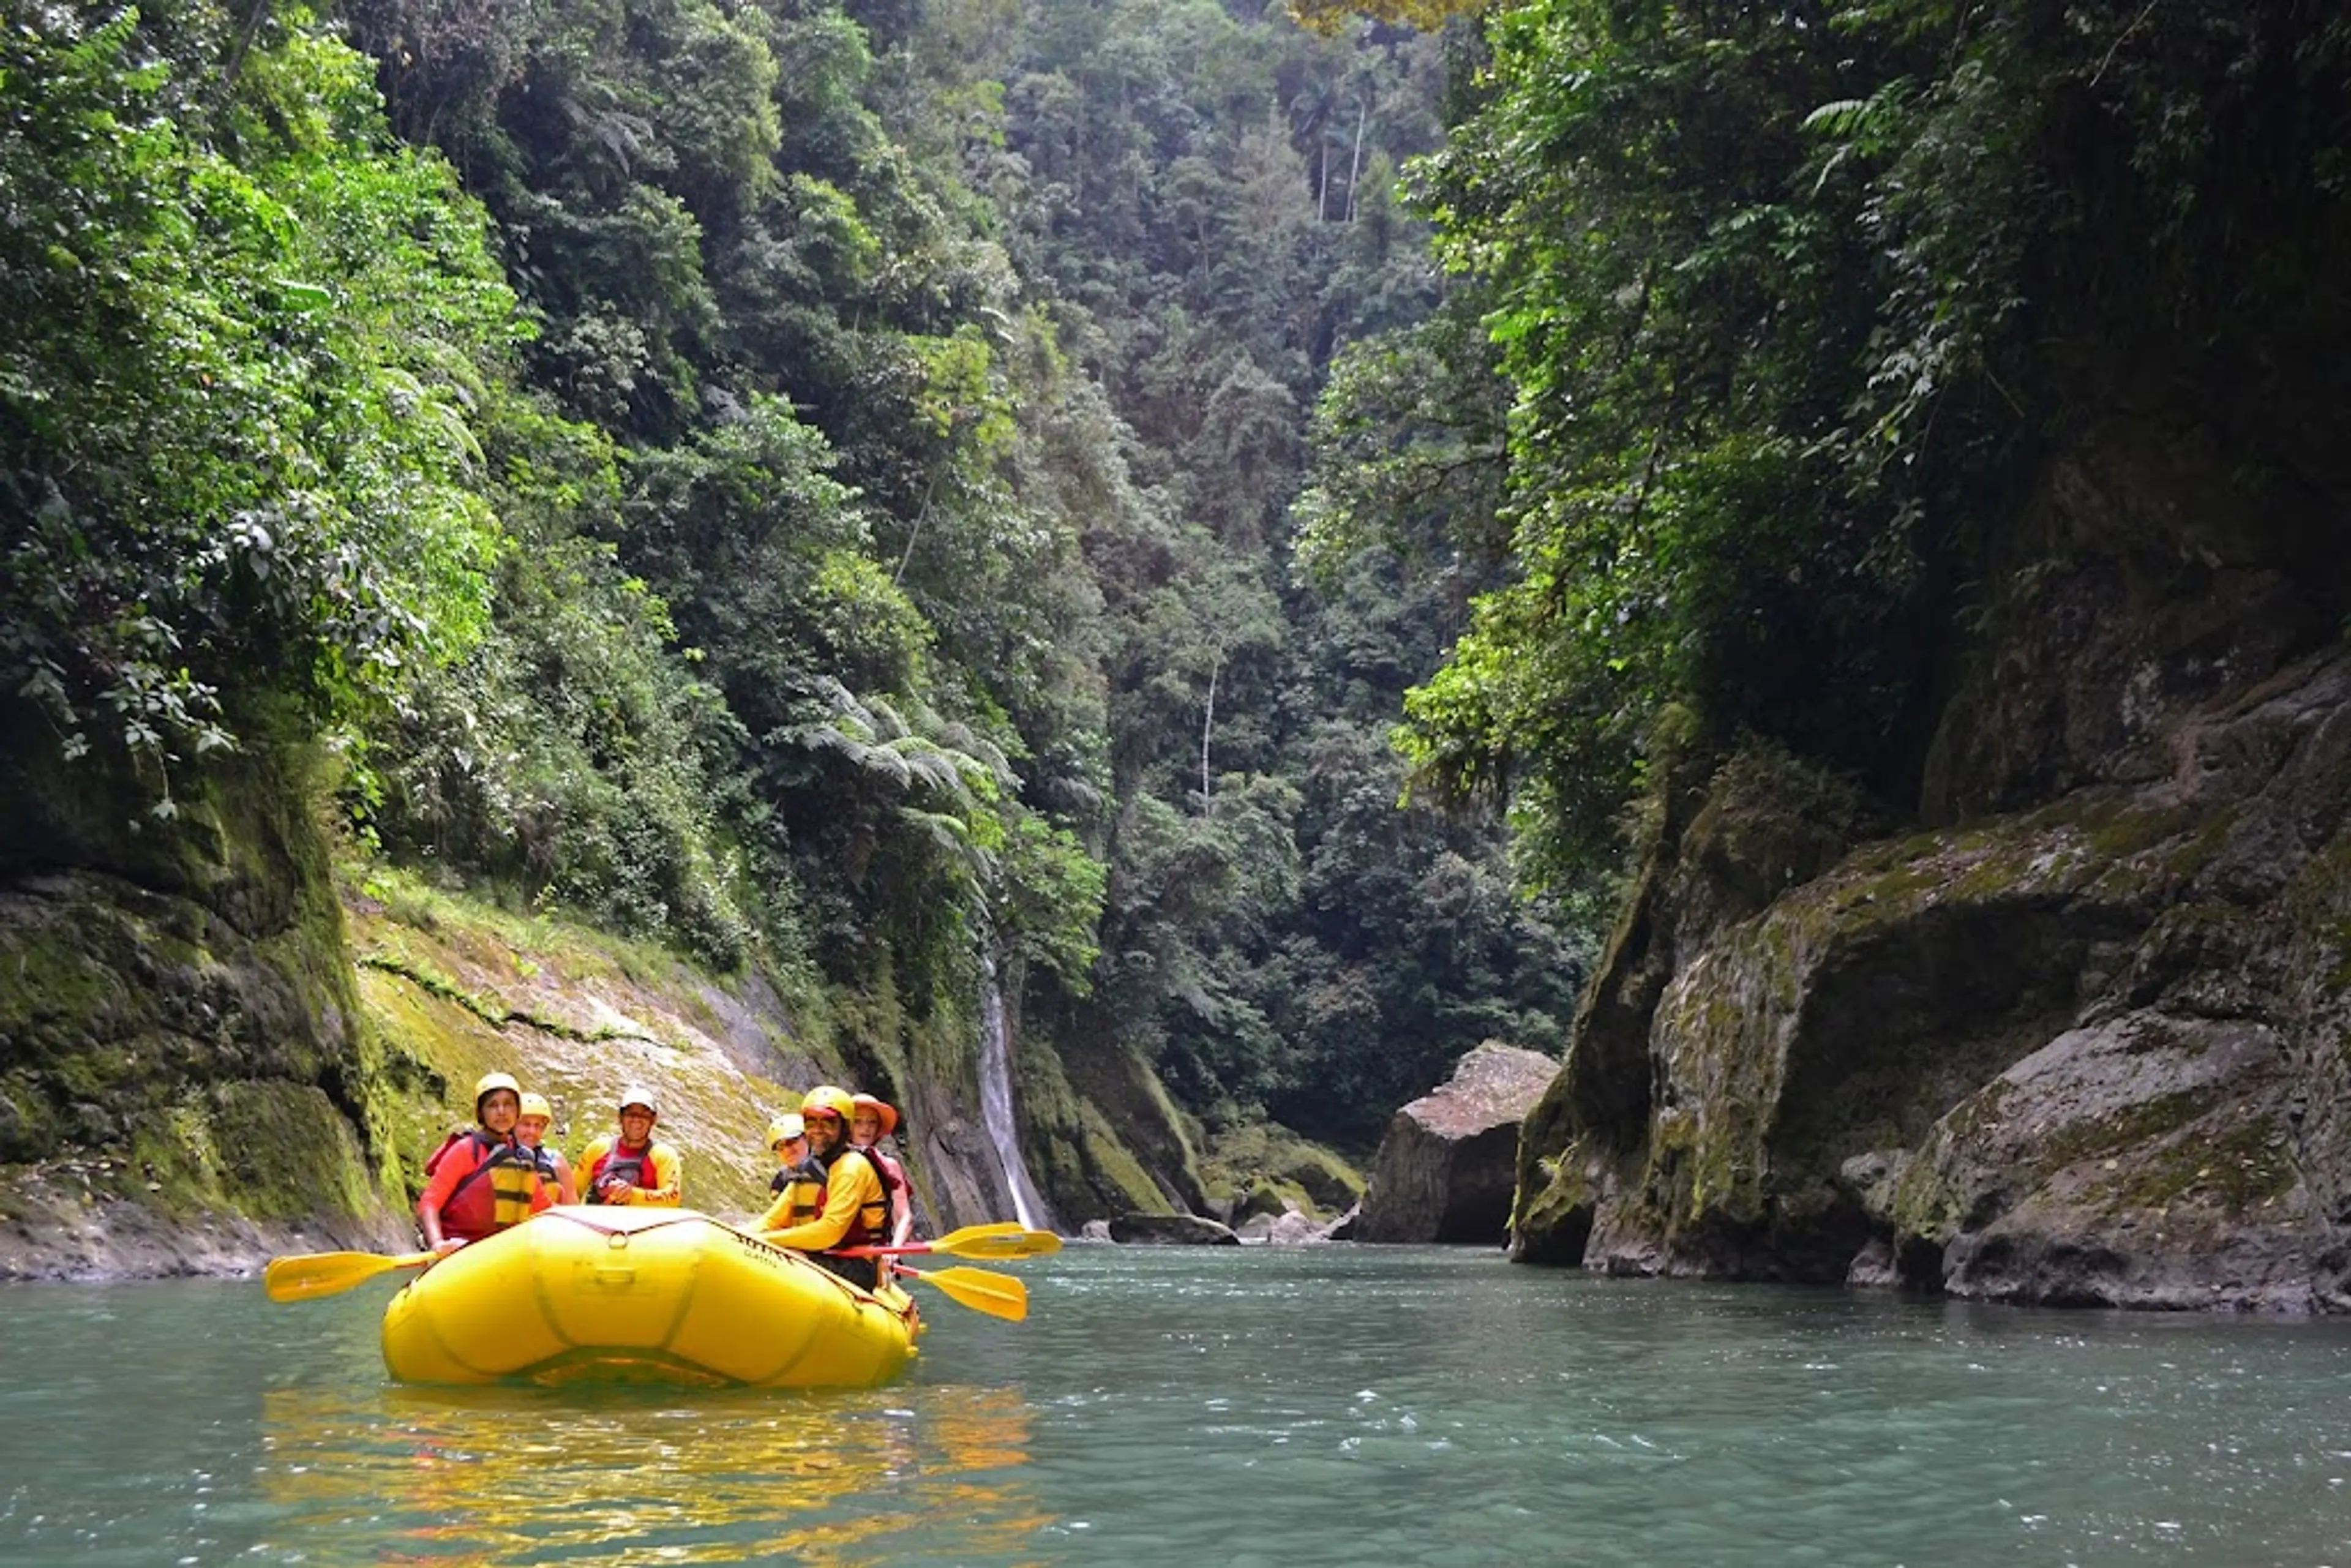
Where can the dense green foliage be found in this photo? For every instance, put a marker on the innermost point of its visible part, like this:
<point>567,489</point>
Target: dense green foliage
<point>1212,199</point>
<point>1790,298</point>
<point>237,455</point>
<point>809,482</point>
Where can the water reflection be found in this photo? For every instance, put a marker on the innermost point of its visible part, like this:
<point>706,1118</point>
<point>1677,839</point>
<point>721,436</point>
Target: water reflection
<point>525,1474</point>
<point>1166,1409</point>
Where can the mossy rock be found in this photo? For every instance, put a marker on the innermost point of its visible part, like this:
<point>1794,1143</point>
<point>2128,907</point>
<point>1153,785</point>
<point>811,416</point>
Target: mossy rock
<point>1114,1164</point>
<point>1133,1150</point>
<point>1256,1167</point>
<point>454,987</point>
<point>182,1026</point>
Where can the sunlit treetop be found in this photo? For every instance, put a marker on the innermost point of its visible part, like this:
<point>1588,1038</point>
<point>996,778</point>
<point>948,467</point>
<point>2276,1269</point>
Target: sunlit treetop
<point>1328,16</point>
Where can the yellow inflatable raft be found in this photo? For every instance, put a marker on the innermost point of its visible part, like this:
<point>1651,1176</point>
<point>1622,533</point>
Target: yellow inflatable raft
<point>581,1294</point>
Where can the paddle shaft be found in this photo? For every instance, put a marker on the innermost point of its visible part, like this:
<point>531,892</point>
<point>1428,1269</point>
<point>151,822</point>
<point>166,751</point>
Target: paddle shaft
<point>308,1275</point>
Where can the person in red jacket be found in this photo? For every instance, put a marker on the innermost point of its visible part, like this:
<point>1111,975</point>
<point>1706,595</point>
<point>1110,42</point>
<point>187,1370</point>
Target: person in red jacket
<point>484,1180</point>
<point>873,1120</point>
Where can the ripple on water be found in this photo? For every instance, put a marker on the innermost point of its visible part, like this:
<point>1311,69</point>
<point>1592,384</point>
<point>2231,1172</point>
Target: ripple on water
<point>1332,1406</point>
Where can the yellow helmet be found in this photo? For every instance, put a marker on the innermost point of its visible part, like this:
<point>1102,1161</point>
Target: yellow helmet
<point>824,1099</point>
<point>537,1105</point>
<point>788,1126</point>
<point>490,1083</point>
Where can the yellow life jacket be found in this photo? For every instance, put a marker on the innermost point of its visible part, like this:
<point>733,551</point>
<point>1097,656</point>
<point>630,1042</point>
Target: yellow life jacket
<point>512,1187</point>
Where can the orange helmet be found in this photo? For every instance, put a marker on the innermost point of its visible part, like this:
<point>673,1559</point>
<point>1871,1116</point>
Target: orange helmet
<point>885,1112</point>
<point>824,1099</point>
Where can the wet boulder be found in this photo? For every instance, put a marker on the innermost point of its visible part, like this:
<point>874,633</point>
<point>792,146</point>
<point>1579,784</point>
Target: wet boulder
<point>1172,1230</point>
<point>1446,1168</point>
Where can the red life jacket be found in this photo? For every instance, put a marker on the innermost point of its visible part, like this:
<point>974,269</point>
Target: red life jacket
<point>893,1186</point>
<point>456,1136</point>
<point>475,1207</point>
<point>637,1169</point>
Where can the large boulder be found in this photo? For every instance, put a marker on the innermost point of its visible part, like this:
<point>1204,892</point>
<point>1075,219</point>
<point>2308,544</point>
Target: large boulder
<point>1446,1168</point>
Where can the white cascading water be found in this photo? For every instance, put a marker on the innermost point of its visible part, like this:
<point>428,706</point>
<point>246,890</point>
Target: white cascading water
<point>996,1106</point>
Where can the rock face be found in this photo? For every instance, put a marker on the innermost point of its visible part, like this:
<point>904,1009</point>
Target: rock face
<point>2076,1030</point>
<point>1100,1137</point>
<point>183,1086</point>
<point>1446,1169</point>
<point>208,1057</point>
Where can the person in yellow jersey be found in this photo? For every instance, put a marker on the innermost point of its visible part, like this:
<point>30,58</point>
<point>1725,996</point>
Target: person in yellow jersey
<point>841,1192</point>
<point>632,1167</point>
<point>531,1132</point>
<point>788,1137</point>
<point>483,1180</point>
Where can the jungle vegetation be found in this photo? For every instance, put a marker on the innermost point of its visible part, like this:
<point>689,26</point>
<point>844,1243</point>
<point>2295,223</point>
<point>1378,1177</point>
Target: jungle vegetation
<point>807,482</point>
<point>854,487</point>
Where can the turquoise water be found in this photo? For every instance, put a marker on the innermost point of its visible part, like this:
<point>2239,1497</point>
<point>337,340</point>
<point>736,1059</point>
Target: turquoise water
<point>1325,1406</point>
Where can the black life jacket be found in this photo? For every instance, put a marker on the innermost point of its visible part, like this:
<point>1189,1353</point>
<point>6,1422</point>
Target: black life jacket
<point>636,1169</point>
<point>811,1182</point>
<point>870,1227</point>
<point>806,1171</point>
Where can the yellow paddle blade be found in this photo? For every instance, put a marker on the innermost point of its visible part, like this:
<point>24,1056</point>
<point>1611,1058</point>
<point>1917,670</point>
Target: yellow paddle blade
<point>309,1274</point>
<point>1018,1243</point>
<point>1002,1240</point>
<point>997,1295</point>
<point>954,1240</point>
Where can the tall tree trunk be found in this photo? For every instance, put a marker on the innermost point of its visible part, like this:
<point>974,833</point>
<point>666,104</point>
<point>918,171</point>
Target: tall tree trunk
<point>248,25</point>
<point>1355,164</point>
<point>915,532</point>
<point>1207,721</point>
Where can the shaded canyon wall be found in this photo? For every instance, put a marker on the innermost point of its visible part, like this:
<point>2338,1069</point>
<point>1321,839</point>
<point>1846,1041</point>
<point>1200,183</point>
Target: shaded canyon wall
<point>185,1083</point>
<point>2076,1027</point>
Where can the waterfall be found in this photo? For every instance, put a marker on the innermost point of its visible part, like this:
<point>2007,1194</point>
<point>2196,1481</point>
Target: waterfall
<point>996,1104</point>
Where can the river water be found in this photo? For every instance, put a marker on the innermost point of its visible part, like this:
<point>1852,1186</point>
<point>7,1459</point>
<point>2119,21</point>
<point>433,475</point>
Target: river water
<point>1204,1407</point>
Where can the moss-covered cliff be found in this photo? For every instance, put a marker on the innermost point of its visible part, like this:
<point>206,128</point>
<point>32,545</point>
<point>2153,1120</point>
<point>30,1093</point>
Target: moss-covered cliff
<point>461,987</point>
<point>185,1080</point>
<point>217,1044</point>
<point>2077,1028</point>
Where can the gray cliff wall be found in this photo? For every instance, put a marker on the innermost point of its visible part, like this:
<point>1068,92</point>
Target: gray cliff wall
<point>2076,1030</point>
